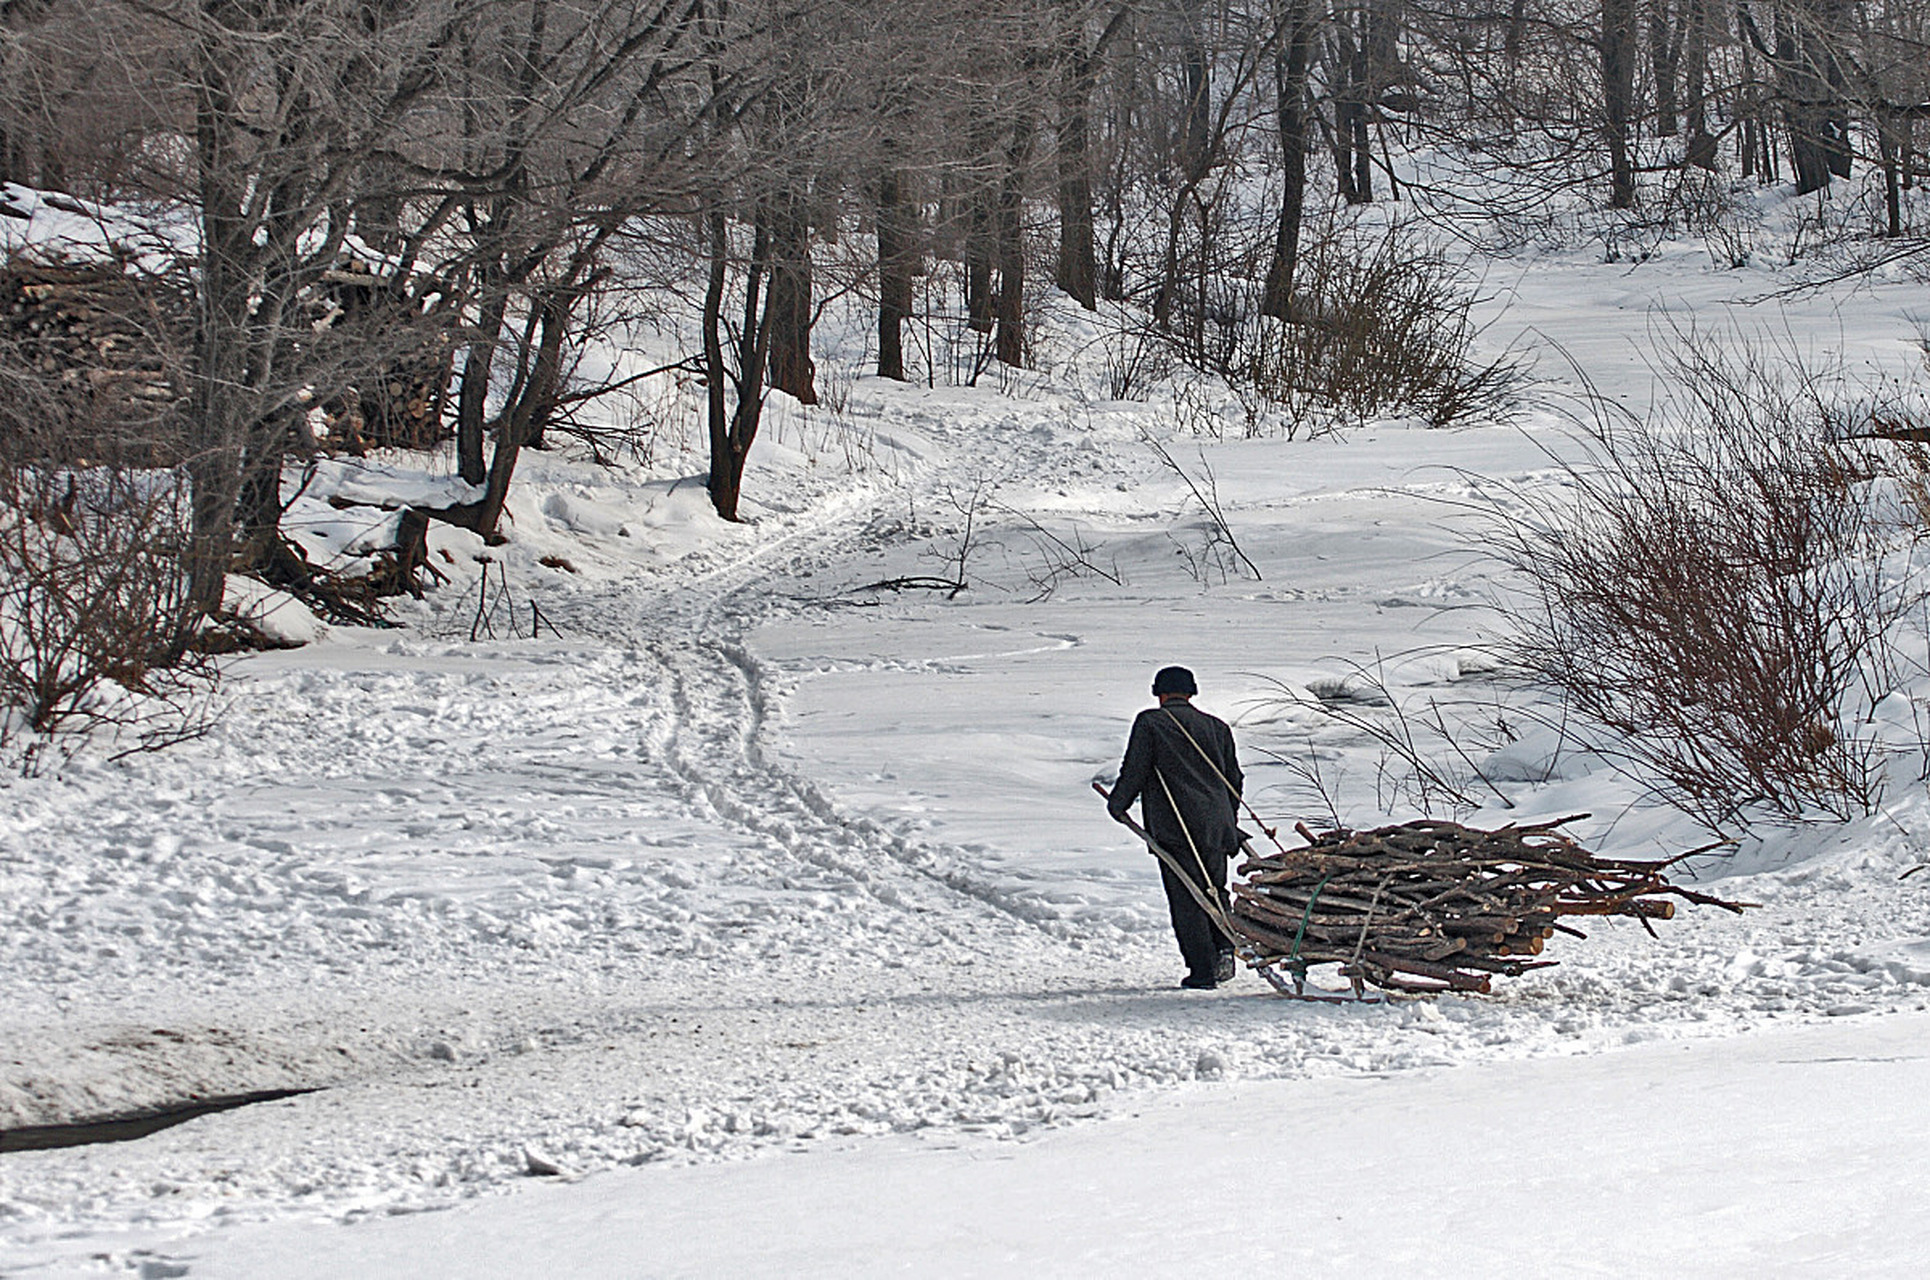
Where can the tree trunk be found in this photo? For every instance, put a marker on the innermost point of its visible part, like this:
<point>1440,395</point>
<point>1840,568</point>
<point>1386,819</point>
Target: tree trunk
<point>979,251</point>
<point>472,395</point>
<point>1168,288</point>
<point>1380,31</point>
<point>723,477</point>
<point>1512,39</point>
<point>752,353</point>
<point>732,434</point>
<point>1665,53</point>
<point>1196,122</point>
<point>1701,148</point>
<point>1291,69</point>
<point>258,509</point>
<point>220,406</point>
<point>1078,267</point>
<point>1831,26</point>
<point>524,420</point>
<point>1758,148</point>
<point>1124,106</point>
<point>895,262</point>
<point>1009,341</point>
<point>1352,163</point>
<point>789,301</point>
<point>1618,98</point>
<point>1078,272</point>
<point>1888,151</point>
<point>1808,148</point>
<point>1808,81</point>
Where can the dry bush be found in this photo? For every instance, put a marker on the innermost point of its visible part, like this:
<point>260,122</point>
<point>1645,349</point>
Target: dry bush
<point>1714,586</point>
<point>1428,750</point>
<point>1714,207</point>
<point>1136,358</point>
<point>1218,552</point>
<point>94,605</point>
<point>1381,326</point>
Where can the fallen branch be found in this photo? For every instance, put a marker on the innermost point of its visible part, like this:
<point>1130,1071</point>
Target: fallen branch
<point>916,583</point>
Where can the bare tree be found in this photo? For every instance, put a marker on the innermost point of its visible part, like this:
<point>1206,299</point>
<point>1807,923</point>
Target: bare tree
<point>1618,98</point>
<point>1079,55</point>
<point>601,117</point>
<point>1291,70</point>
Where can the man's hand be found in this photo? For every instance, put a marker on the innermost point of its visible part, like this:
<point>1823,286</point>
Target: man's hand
<point>1106,795</point>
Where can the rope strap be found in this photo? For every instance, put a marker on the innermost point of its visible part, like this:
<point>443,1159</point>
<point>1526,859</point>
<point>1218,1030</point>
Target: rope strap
<point>1215,912</point>
<point>1230,788</point>
<point>1293,959</point>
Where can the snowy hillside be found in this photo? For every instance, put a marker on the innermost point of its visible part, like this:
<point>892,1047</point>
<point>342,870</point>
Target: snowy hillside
<point>748,853</point>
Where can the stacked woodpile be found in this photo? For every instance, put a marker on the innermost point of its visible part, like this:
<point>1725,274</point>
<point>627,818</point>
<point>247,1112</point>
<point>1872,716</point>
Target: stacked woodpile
<point>93,358</point>
<point>394,386</point>
<point>1438,906</point>
<point>98,354</point>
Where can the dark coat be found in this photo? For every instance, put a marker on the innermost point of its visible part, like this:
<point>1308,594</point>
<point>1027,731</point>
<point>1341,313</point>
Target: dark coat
<point>1193,753</point>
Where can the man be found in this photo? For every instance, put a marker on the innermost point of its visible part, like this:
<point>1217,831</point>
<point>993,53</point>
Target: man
<point>1181,765</point>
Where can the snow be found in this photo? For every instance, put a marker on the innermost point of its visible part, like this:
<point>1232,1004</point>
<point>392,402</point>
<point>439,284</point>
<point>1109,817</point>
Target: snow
<point>1660,1159</point>
<point>276,614</point>
<point>63,226</point>
<point>789,889</point>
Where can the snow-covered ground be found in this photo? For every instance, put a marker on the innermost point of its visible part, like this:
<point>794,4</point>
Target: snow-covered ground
<point>750,859</point>
<point>1670,1159</point>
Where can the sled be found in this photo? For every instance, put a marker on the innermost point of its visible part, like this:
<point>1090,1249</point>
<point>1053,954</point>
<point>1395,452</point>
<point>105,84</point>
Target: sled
<point>1245,947</point>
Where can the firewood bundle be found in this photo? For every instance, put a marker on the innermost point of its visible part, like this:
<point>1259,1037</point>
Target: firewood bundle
<point>107,348</point>
<point>1437,906</point>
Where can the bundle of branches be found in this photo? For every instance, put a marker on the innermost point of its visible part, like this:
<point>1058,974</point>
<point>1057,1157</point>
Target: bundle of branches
<point>1437,906</point>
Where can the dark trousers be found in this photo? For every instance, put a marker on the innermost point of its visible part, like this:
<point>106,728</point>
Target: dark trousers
<point>1200,939</point>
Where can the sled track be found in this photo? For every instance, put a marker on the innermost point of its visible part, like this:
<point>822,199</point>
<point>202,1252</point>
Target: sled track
<point>717,700</point>
<point>718,681</point>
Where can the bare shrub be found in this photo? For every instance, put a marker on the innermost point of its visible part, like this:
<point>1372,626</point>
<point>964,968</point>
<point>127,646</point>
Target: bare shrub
<point>1136,357</point>
<point>1312,789</point>
<point>1380,326</point>
<point>1059,557</point>
<point>1714,207</point>
<point>94,605</point>
<point>1714,586</point>
<point>1428,751</point>
<point>1219,552</point>
<point>964,540</point>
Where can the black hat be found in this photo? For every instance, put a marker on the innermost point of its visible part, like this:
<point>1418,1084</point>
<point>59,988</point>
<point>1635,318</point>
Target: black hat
<point>1174,680</point>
